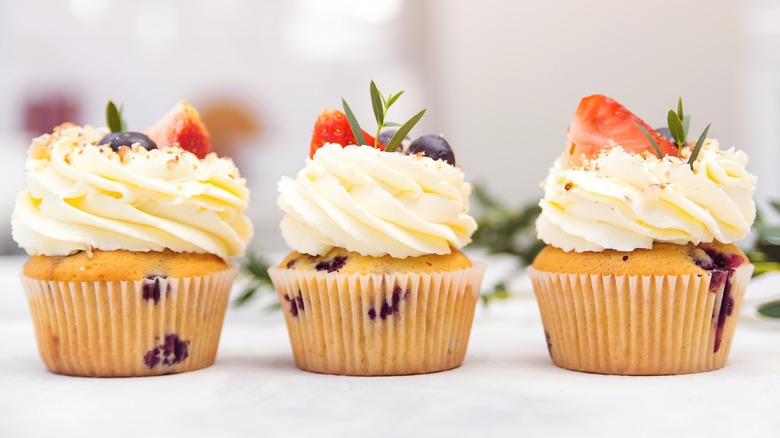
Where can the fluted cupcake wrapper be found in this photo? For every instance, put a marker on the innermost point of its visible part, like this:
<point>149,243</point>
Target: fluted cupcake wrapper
<point>640,325</point>
<point>149,327</point>
<point>378,324</point>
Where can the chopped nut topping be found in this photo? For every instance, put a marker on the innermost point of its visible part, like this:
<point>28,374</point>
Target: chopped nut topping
<point>172,163</point>
<point>124,154</point>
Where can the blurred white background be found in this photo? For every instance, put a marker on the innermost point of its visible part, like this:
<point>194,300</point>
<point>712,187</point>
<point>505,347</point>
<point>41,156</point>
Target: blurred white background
<point>500,78</point>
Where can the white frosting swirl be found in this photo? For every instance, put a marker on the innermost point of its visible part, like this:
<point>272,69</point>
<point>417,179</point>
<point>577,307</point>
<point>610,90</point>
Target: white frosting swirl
<point>375,203</point>
<point>81,196</point>
<point>622,201</point>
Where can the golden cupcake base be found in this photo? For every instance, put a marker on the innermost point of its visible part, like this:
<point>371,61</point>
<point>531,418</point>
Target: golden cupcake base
<point>129,328</point>
<point>639,325</point>
<point>378,324</point>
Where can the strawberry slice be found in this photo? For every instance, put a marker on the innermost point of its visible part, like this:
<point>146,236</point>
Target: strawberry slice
<point>332,126</point>
<point>182,127</point>
<point>599,119</point>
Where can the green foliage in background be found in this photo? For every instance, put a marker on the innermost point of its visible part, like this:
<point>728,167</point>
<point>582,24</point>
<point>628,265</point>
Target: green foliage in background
<point>765,255</point>
<point>254,270</point>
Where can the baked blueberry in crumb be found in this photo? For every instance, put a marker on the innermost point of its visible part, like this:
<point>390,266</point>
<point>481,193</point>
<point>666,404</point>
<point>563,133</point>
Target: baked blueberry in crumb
<point>394,306</point>
<point>151,288</point>
<point>293,305</point>
<point>296,303</point>
<point>152,357</point>
<point>171,352</point>
<point>722,266</point>
<point>337,263</point>
<point>549,342</point>
<point>174,350</point>
<point>291,263</point>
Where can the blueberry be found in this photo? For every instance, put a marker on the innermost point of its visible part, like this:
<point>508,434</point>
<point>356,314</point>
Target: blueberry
<point>337,263</point>
<point>118,139</point>
<point>667,134</point>
<point>433,146</point>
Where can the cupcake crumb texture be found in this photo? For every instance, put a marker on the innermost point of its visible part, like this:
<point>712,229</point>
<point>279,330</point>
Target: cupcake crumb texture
<point>339,260</point>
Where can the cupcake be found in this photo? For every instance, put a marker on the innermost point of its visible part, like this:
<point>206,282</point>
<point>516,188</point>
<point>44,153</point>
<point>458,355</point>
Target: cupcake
<point>130,238</point>
<point>640,275</point>
<point>375,284</point>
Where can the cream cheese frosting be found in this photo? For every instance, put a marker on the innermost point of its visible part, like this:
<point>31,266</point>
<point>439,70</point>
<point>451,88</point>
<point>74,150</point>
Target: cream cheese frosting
<point>81,197</point>
<point>375,203</point>
<point>623,202</point>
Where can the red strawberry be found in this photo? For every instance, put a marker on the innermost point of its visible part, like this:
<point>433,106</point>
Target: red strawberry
<point>599,119</point>
<point>181,126</point>
<point>332,126</point>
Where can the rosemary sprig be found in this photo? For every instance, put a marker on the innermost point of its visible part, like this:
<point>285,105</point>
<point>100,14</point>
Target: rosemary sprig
<point>381,105</point>
<point>697,148</point>
<point>652,140</point>
<point>114,118</point>
<point>770,309</point>
<point>499,292</point>
<point>505,230</point>
<point>255,269</point>
<point>360,139</point>
<point>679,125</point>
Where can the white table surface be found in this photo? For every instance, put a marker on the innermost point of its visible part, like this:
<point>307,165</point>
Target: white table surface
<point>507,386</point>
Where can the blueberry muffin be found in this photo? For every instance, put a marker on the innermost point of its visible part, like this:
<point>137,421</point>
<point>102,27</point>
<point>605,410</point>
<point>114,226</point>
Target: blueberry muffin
<point>375,284</point>
<point>640,275</point>
<point>130,238</point>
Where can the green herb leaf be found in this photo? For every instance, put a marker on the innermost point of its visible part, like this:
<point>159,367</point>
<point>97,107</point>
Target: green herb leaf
<point>680,113</point>
<point>652,140</point>
<point>676,127</point>
<point>499,292</point>
<point>391,100</point>
<point>399,135</point>
<point>114,118</point>
<point>255,269</point>
<point>377,102</point>
<point>686,126</point>
<point>768,233</point>
<point>770,309</point>
<point>360,139</point>
<point>697,148</point>
<point>122,119</point>
<point>387,124</point>
<point>775,205</point>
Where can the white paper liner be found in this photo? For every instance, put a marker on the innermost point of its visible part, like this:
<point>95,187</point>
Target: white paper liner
<point>109,329</point>
<point>351,324</point>
<point>637,325</point>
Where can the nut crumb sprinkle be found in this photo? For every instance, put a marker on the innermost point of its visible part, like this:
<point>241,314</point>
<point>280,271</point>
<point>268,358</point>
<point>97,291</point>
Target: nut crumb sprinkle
<point>124,154</point>
<point>172,163</point>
